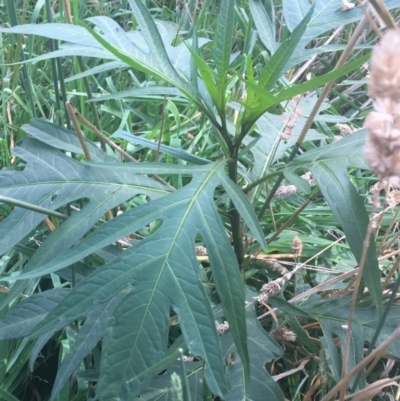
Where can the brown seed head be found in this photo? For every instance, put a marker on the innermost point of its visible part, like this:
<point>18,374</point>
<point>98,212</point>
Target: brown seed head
<point>297,246</point>
<point>385,67</point>
<point>382,147</point>
<point>283,334</point>
<point>284,191</point>
<point>393,198</point>
<point>272,288</point>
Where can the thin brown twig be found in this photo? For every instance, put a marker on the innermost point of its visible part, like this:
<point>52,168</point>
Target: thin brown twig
<point>78,130</point>
<point>368,15</point>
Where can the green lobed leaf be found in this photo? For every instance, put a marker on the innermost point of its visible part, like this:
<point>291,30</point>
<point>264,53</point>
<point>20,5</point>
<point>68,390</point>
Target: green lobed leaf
<point>329,165</point>
<point>111,65</point>
<point>51,180</point>
<point>66,32</point>
<point>348,207</point>
<point>163,272</point>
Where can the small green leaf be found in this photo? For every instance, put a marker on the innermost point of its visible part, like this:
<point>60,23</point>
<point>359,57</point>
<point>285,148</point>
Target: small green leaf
<point>277,63</point>
<point>207,75</point>
<point>266,99</point>
<point>223,44</point>
<point>265,28</point>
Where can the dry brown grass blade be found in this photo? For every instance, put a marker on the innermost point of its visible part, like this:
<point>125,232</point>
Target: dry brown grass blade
<point>373,389</point>
<point>378,351</point>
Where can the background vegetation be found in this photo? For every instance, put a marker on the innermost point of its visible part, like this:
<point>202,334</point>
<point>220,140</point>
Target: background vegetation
<point>185,203</point>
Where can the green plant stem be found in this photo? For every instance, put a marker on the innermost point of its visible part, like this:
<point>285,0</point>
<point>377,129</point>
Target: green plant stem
<point>225,135</point>
<point>235,217</point>
<point>32,207</point>
<point>62,87</point>
<point>260,180</point>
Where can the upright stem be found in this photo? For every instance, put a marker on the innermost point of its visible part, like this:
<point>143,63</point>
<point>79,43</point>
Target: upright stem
<point>234,215</point>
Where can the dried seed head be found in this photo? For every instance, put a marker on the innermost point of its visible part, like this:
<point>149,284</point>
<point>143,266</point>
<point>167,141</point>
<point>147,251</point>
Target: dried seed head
<point>201,250</point>
<point>283,334</point>
<point>291,121</point>
<point>297,246</point>
<point>308,177</point>
<point>223,327</point>
<point>262,298</point>
<point>270,289</point>
<point>384,79</point>
<point>274,266</point>
<point>345,129</point>
<point>377,187</point>
<point>347,5</point>
<point>382,147</point>
<point>393,198</point>
<point>284,191</point>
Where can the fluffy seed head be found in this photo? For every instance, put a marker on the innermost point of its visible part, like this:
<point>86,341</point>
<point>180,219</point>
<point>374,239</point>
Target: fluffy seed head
<point>271,289</point>
<point>382,147</point>
<point>283,334</point>
<point>297,246</point>
<point>385,67</point>
<point>284,191</point>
